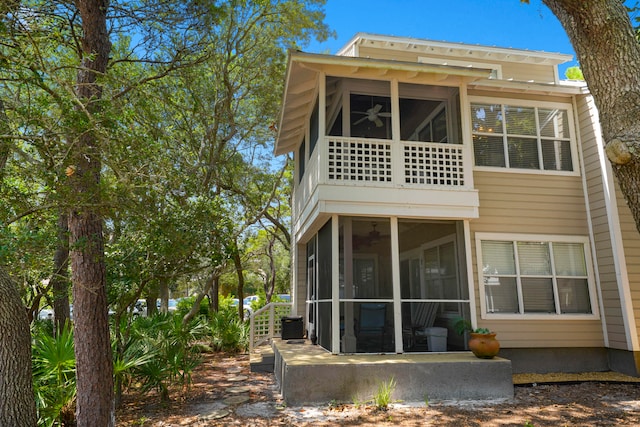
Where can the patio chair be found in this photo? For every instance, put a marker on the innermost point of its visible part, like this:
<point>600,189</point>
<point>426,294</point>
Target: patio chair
<point>372,324</point>
<point>423,317</point>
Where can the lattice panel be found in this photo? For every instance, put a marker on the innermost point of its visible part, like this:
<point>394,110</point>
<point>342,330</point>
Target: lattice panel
<point>436,164</point>
<point>359,161</point>
<point>266,320</point>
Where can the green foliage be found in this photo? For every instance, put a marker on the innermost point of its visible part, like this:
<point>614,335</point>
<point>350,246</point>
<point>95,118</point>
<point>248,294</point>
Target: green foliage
<point>574,73</point>
<point>185,305</point>
<point>228,332</point>
<point>172,344</point>
<point>54,377</point>
<point>382,398</point>
<point>462,325</point>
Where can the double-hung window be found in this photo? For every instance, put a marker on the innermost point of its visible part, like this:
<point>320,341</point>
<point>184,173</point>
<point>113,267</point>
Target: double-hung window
<point>519,136</point>
<point>533,276</point>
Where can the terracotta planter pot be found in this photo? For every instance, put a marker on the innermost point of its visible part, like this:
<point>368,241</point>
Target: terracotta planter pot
<point>484,346</point>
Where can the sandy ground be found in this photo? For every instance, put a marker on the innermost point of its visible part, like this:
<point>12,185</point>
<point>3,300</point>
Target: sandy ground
<point>225,393</point>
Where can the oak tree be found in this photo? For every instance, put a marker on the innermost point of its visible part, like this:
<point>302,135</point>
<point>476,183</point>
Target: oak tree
<point>609,55</point>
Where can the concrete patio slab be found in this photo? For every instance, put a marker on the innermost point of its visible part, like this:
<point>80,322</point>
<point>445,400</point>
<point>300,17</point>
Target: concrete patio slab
<point>308,374</point>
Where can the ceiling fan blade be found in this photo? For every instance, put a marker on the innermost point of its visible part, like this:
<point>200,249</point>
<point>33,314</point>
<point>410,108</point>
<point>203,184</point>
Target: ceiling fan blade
<point>378,122</point>
<point>377,108</point>
<point>357,122</point>
<point>384,114</point>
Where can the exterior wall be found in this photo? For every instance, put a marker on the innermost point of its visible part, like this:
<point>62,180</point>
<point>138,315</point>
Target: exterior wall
<point>590,138</point>
<point>631,244</point>
<point>299,281</point>
<point>522,203</point>
<point>518,72</point>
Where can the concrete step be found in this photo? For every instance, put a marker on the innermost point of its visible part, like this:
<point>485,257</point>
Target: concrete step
<point>262,359</point>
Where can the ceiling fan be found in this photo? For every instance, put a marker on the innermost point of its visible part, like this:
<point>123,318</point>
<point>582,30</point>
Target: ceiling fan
<point>371,238</point>
<point>373,114</point>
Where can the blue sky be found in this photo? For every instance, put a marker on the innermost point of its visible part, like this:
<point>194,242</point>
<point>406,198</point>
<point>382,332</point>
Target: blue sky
<point>501,23</point>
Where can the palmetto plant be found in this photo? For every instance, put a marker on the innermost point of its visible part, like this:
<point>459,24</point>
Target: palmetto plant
<point>54,375</point>
<point>172,345</point>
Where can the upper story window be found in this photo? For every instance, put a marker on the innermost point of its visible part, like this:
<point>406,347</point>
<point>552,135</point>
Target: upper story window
<point>521,136</point>
<point>530,276</point>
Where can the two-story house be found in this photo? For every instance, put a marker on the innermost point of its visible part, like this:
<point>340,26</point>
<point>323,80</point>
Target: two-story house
<point>436,181</point>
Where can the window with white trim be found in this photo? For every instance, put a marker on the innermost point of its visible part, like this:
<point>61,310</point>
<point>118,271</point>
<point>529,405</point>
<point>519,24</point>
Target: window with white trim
<point>530,277</point>
<point>521,137</point>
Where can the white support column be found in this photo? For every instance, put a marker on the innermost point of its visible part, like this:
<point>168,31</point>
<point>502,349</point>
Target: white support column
<point>397,165</point>
<point>470,277</point>
<point>395,269</point>
<point>321,146</point>
<point>349,339</point>
<point>335,285</point>
<point>467,138</point>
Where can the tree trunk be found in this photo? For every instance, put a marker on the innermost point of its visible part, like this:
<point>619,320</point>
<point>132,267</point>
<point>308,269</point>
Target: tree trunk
<point>214,294</point>
<point>17,405</point>
<point>94,366</point>
<point>237,261</point>
<point>60,280</point>
<point>609,55</point>
<point>196,304</point>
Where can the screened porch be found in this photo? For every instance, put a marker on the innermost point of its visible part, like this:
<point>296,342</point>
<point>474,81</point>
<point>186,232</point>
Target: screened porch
<point>393,286</point>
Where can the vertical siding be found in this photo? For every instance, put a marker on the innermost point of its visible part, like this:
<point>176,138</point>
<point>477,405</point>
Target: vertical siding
<point>299,280</point>
<point>611,306</point>
<point>518,203</point>
<point>631,245</point>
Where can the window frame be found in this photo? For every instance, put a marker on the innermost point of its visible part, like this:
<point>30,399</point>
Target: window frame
<point>516,238</point>
<point>517,102</point>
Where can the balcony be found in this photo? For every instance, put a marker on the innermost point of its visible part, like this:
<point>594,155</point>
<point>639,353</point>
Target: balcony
<point>386,177</point>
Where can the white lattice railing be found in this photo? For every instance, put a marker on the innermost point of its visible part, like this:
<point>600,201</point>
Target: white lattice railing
<point>415,164</point>
<point>433,164</point>
<point>265,323</point>
<point>359,160</point>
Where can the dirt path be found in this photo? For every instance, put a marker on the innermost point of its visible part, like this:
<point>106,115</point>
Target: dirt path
<point>226,393</point>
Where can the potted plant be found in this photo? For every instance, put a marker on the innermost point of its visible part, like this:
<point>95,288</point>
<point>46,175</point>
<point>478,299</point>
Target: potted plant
<point>482,342</point>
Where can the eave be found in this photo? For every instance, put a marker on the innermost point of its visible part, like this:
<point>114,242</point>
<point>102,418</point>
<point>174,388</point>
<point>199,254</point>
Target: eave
<point>305,69</point>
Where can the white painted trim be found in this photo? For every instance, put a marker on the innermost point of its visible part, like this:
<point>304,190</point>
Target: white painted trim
<point>464,63</point>
<point>467,137</point>
<point>517,102</point>
<point>395,281</point>
<point>594,255</point>
<point>619,258</point>
<point>516,237</point>
<point>335,285</point>
<point>470,279</point>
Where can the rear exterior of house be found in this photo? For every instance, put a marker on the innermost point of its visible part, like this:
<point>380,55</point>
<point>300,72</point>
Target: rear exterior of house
<point>438,181</point>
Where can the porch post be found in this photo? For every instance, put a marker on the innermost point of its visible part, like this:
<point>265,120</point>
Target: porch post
<point>395,271</point>
<point>335,285</point>
<point>349,339</point>
<point>470,278</point>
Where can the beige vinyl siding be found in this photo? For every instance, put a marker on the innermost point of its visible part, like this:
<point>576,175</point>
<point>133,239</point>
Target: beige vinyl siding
<point>515,71</point>
<point>631,245</point>
<point>301,281</point>
<point>546,333</point>
<point>611,306</point>
<point>550,205</point>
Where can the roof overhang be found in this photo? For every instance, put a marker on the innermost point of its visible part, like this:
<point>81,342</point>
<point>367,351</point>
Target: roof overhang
<point>305,69</point>
<point>478,52</point>
<point>565,88</point>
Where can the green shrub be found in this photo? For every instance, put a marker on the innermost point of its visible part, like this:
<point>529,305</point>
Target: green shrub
<point>54,377</point>
<point>228,332</point>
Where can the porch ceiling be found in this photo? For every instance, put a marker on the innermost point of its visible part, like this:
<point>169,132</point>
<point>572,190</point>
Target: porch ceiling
<point>305,69</point>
